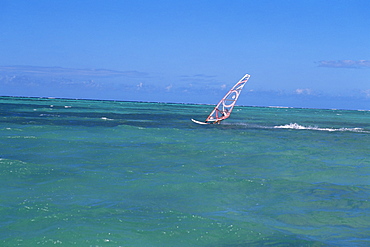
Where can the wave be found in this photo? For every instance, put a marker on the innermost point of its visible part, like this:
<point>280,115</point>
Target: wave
<point>296,126</point>
<point>300,127</point>
<point>105,118</point>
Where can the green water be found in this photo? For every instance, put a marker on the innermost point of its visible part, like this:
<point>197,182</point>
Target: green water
<point>105,173</point>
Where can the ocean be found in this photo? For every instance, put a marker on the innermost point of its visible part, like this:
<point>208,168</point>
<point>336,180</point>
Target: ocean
<point>111,173</point>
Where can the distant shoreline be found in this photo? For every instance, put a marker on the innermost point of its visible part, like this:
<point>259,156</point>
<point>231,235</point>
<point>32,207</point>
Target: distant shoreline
<point>175,103</point>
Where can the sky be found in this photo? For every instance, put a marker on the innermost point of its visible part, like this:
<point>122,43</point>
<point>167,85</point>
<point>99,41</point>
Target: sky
<point>307,53</point>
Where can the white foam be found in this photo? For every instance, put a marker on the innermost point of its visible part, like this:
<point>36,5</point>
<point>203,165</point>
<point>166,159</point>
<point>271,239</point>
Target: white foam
<point>300,127</point>
<point>296,126</point>
<point>105,118</point>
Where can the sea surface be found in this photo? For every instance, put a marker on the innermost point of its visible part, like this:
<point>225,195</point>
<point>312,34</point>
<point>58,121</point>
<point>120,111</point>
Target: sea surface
<point>109,173</point>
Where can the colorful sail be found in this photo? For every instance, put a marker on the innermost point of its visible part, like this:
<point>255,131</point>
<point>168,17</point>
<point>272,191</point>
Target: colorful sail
<point>226,104</point>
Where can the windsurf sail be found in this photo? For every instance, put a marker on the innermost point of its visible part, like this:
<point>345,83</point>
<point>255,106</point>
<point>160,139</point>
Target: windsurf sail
<point>224,108</point>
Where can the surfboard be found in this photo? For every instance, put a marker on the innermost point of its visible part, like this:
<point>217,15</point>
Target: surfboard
<point>198,122</point>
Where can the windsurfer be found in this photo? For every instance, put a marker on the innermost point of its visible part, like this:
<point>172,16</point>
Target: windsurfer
<point>225,106</point>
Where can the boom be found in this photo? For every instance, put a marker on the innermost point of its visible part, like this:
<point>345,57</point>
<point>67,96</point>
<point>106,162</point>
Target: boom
<point>224,108</point>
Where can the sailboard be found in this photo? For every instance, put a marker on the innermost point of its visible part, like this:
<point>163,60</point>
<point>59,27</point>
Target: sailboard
<point>224,108</point>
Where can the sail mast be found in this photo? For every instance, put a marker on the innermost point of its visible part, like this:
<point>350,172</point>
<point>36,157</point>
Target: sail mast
<point>224,108</point>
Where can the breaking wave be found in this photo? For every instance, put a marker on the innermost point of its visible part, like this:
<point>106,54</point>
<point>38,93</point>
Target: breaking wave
<point>296,126</point>
<point>300,127</point>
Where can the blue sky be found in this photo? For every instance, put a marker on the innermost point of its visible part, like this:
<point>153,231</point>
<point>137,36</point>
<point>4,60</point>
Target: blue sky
<point>308,53</point>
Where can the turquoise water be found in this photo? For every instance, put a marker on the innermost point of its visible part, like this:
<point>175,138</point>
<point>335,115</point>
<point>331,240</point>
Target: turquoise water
<point>105,173</point>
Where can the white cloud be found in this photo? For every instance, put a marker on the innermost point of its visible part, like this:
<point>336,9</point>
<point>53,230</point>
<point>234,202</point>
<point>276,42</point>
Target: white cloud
<point>168,88</point>
<point>303,91</point>
<point>59,71</point>
<point>345,64</point>
<point>367,93</point>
